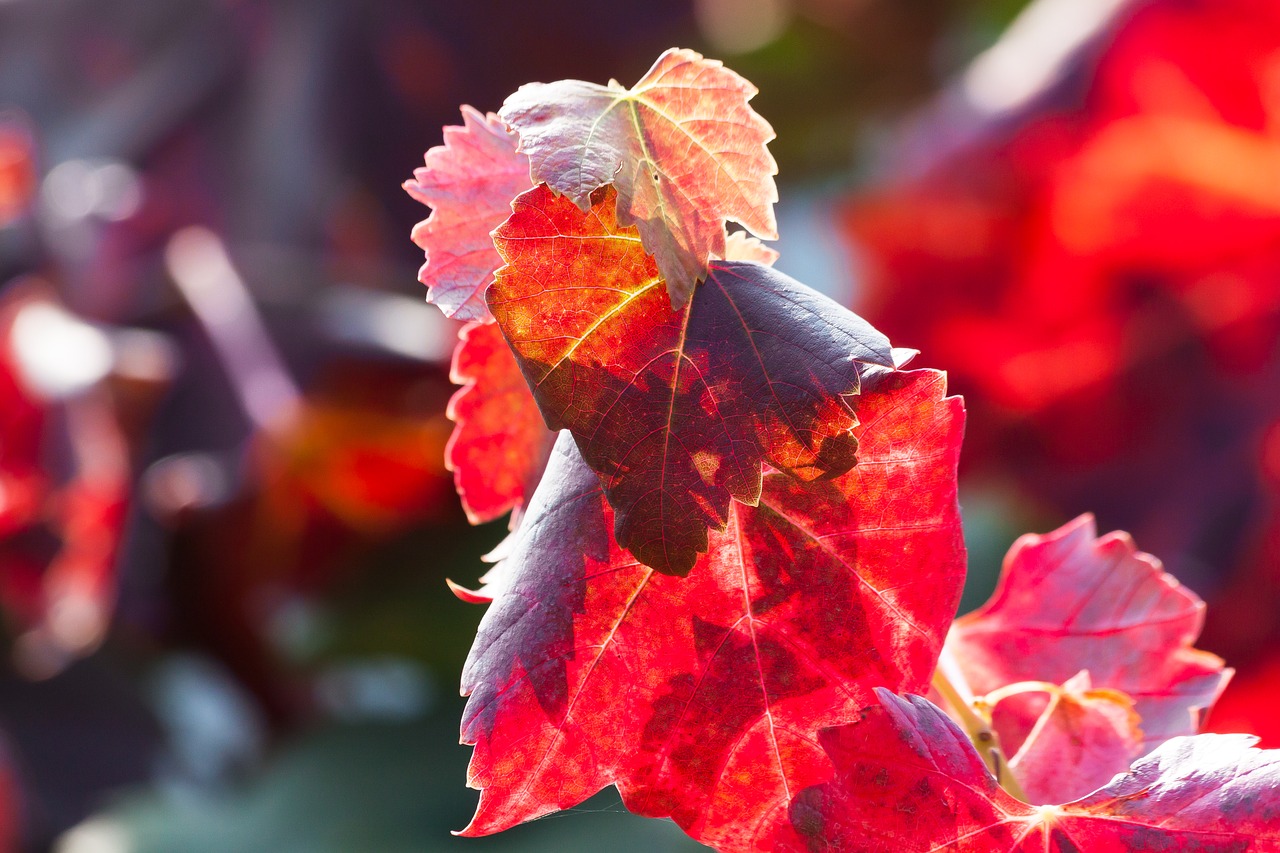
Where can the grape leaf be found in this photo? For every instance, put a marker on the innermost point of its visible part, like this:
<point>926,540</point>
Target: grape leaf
<point>1068,601</point>
<point>700,696</point>
<point>683,149</point>
<point>469,183</point>
<point>1080,739</point>
<point>500,445</point>
<point>908,779</point>
<point>675,410</point>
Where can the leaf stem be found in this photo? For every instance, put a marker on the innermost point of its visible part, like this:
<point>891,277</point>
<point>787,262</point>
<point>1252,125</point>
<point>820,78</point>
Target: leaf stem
<point>974,717</point>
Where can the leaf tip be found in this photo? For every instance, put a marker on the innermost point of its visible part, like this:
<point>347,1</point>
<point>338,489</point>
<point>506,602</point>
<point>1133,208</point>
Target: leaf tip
<point>470,596</point>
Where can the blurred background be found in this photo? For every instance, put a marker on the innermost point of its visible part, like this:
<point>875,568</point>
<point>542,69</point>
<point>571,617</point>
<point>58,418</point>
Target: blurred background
<point>225,522</point>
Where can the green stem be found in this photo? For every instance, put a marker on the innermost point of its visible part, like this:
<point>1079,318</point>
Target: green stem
<point>974,718</point>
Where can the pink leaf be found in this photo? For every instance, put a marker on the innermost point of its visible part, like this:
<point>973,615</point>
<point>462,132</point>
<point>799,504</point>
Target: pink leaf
<point>1081,738</point>
<point>1069,601</point>
<point>740,247</point>
<point>469,183</point>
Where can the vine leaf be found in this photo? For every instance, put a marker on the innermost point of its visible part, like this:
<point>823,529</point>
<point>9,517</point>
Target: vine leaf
<point>469,183</point>
<point>1068,601</point>
<point>500,445</point>
<point>906,778</point>
<point>700,697</point>
<point>675,409</point>
<point>683,148</point>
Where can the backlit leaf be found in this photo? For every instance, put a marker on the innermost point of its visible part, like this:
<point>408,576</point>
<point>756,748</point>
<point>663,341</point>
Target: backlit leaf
<point>683,149</point>
<point>675,410</point>
<point>700,697</point>
<point>469,183</point>
<point>908,779</point>
<point>1069,601</point>
<point>500,444</point>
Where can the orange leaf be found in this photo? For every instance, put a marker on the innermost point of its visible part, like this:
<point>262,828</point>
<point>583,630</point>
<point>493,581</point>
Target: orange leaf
<point>675,409</point>
<point>683,149</point>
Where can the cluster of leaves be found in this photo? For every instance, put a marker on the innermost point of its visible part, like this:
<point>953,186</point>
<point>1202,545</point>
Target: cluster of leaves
<point>742,552</point>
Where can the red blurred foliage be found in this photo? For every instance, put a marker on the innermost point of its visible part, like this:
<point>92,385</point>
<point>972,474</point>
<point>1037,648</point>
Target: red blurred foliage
<point>374,466</point>
<point>11,822</point>
<point>1099,270</point>
<point>17,170</point>
<point>64,492</point>
<point>1046,246</point>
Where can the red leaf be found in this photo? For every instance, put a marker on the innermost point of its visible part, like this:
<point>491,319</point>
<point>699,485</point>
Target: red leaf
<point>700,697</point>
<point>1068,601</point>
<point>683,149</point>
<point>500,446</point>
<point>469,183</point>
<point>908,779</point>
<point>675,409</point>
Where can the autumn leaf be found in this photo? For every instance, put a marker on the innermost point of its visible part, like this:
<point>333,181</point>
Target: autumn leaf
<point>469,183</point>
<point>675,410</point>
<point>1068,601</point>
<point>500,444</point>
<point>907,778</point>
<point>700,697</point>
<point>682,147</point>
